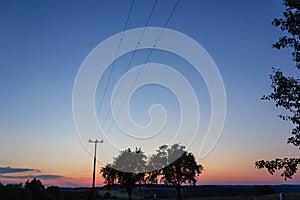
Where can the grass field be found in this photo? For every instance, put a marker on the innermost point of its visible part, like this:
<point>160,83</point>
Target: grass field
<point>195,193</point>
<point>290,196</point>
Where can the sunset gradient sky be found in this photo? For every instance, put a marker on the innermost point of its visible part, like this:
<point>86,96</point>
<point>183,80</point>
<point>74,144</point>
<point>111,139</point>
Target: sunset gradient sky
<point>43,44</point>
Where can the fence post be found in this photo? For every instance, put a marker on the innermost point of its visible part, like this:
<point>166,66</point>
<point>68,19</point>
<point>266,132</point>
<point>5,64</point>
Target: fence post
<point>281,194</point>
<point>154,196</point>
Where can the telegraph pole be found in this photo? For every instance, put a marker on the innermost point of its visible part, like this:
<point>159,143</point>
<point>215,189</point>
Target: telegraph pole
<point>94,170</point>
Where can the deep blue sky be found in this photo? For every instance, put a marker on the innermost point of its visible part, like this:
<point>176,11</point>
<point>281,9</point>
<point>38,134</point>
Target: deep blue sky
<point>43,43</point>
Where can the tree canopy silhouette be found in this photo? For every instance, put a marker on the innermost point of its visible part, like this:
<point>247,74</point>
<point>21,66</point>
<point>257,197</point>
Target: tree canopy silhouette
<point>127,169</point>
<point>178,167</point>
<point>35,186</point>
<point>32,190</point>
<point>170,165</point>
<point>286,89</point>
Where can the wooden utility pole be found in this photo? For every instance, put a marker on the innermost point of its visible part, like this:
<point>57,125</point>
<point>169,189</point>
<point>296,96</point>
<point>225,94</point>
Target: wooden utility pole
<point>94,170</point>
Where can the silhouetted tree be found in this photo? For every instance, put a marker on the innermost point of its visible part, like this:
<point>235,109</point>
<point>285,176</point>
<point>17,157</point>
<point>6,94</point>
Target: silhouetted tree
<point>156,163</point>
<point>179,167</point>
<point>109,174</point>
<point>286,89</point>
<point>35,187</point>
<point>127,169</point>
<point>13,192</point>
<point>37,190</point>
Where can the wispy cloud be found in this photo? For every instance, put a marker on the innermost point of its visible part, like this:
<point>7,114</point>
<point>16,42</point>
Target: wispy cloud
<point>44,176</point>
<point>9,170</point>
<point>6,170</point>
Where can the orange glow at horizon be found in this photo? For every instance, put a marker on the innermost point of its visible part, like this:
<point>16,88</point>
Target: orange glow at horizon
<point>209,177</point>
<point>240,172</point>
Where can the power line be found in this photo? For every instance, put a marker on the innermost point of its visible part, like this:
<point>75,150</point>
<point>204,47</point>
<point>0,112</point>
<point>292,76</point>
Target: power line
<point>105,90</point>
<point>146,61</point>
<point>127,19</point>
<point>151,12</point>
<point>171,14</point>
<point>117,53</point>
<point>113,64</point>
<point>132,56</point>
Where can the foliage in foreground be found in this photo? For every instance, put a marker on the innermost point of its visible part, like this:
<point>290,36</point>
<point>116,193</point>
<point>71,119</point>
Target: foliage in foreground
<point>286,89</point>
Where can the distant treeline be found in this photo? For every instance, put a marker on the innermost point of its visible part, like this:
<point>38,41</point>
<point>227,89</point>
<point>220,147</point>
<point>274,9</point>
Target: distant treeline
<point>35,190</point>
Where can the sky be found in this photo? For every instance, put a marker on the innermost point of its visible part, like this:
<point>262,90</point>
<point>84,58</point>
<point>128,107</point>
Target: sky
<point>45,44</point>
